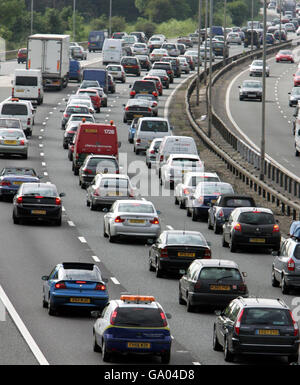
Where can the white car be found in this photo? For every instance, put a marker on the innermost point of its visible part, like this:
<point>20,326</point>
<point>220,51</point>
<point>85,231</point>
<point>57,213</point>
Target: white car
<point>117,72</point>
<point>82,102</point>
<point>256,68</point>
<point>188,186</point>
<point>79,118</point>
<point>152,152</point>
<point>157,54</point>
<point>173,171</point>
<point>202,54</point>
<point>140,49</point>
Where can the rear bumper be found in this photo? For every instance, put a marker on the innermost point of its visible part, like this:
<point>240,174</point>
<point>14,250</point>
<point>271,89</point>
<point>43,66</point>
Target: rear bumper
<point>271,242</point>
<point>152,231</point>
<point>26,213</point>
<point>214,299</point>
<point>278,350</point>
<point>59,300</point>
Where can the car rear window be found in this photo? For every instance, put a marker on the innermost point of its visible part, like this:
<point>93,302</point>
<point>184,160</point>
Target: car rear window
<point>116,183</point>
<point>129,61</point>
<point>297,252</point>
<point>78,110</point>
<point>215,190</point>
<point>19,171</point>
<point>26,81</point>
<point>45,191</point>
<point>184,162</point>
<point>235,202</point>
<point>14,109</point>
<point>256,218</point>
<point>186,239</point>
<point>139,316</point>
<point>135,208</point>
<point>77,118</point>
<point>144,86</point>
<point>102,164</point>
<point>156,126</point>
<point>162,65</point>
<point>197,179</point>
<point>11,133</point>
<point>82,275</point>
<point>220,273</point>
<point>10,123</point>
<point>266,316</point>
<point>90,83</point>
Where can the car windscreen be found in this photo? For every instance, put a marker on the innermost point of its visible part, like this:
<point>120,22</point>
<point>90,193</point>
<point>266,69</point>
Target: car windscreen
<point>251,85</point>
<point>156,126</point>
<point>144,86</point>
<point>266,316</point>
<point>114,183</point>
<point>26,81</point>
<point>45,191</point>
<point>197,179</point>
<point>185,239</point>
<point>256,218</point>
<point>138,316</point>
<point>140,208</point>
<point>14,109</point>
<point>237,202</point>
<point>77,110</point>
<point>10,123</point>
<point>216,273</point>
<point>82,275</point>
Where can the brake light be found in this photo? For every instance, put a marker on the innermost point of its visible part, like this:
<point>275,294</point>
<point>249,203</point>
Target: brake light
<point>28,122</point>
<point>138,140</point>
<point>119,220</point>
<point>22,142</point>
<point>161,158</point>
<point>96,193</point>
<point>220,213</point>
<point>275,229</point>
<point>238,227</point>
<point>57,201</point>
<point>207,254</point>
<point>126,108</point>
<point>12,92</point>
<point>186,191</point>
<point>113,317</point>
<point>132,93</point>
<point>66,115</point>
<point>87,170</point>
<point>163,317</point>
<point>238,323</point>
<point>154,94</point>
<point>201,200</point>
<point>100,287</point>
<point>5,183</point>
<point>296,327</point>
<point>149,109</point>
<point>20,200</point>
<point>291,265</point>
<point>80,282</point>
<point>164,253</point>
<point>154,221</point>
<point>242,288</point>
<point>60,285</point>
<point>197,285</point>
<point>152,152</point>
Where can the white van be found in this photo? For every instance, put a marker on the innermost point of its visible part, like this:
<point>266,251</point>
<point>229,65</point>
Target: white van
<point>19,109</point>
<point>148,129</point>
<point>28,85</point>
<point>174,145</point>
<point>112,51</point>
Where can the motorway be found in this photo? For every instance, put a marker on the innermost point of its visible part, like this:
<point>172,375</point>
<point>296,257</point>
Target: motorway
<point>30,251</point>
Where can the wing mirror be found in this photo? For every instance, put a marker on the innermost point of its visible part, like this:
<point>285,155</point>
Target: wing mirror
<point>45,277</point>
<point>95,314</point>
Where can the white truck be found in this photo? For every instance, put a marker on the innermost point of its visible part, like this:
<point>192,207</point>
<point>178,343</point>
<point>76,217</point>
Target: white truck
<point>50,55</point>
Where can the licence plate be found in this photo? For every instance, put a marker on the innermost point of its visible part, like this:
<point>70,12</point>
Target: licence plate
<point>80,300</point>
<point>10,142</point>
<point>271,332</point>
<point>220,287</point>
<point>186,254</point>
<point>213,201</point>
<point>137,116</point>
<point>114,73</point>
<point>257,240</point>
<point>17,183</point>
<point>20,90</point>
<point>144,92</point>
<point>136,221</point>
<point>114,194</point>
<point>41,212</point>
<point>139,345</point>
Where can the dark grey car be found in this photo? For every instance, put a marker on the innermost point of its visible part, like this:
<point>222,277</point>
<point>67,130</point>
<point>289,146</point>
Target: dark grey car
<point>251,89</point>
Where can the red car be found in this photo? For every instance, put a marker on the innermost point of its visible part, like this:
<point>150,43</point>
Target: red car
<point>158,82</point>
<point>22,55</point>
<point>284,55</point>
<point>297,78</point>
<point>95,98</point>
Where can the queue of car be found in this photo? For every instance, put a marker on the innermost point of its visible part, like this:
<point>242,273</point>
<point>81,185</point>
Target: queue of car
<point>138,323</point>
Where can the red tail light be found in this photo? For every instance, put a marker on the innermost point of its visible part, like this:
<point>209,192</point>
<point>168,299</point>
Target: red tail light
<point>20,200</point>
<point>100,287</point>
<point>291,265</point>
<point>60,285</point>
<point>296,327</point>
<point>276,229</point>
<point>186,191</point>
<point>161,158</point>
<point>154,221</point>
<point>132,93</point>
<point>242,288</point>
<point>57,201</point>
<point>113,317</point>
<point>220,213</point>
<point>238,227</point>
<point>22,142</point>
<point>238,323</point>
<point>155,94</point>
<point>28,122</point>
<point>201,200</point>
<point>87,171</point>
<point>126,108</point>
<point>13,92</point>
<point>207,254</point>
<point>96,193</point>
<point>149,109</point>
<point>197,285</point>
<point>163,317</point>
<point>152,152</point>
<point>164,253</point>
<point>119,220</point>
<point>5,183</point>
<point>39,92</point>
<point>138,140</point>
<point>66,115</point>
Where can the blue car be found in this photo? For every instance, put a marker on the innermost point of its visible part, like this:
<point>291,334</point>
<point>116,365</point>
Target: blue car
<point>132,324</point>
<point>11,179</point>
<point>75,72</point>
<point>206,195</point>
<point>74,284</point>
<point>132,130</point>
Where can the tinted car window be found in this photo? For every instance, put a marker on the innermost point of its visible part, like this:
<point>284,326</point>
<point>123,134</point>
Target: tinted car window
<point>144,86</point>
<point>266,316</point>
<point>186,239</point>
<point>10,123</point>
<point>197,179</point>
<point>237,203</point>
<point>139,316</point>
<point>26,81</point>
<point>111,165</point>
<point>12,133</point>
<point>14,109</point>
<point>114,183</point>
<point>20,171</point>
<point>156,126</point>
<point>45,191</point>
<point>129,61</point>
<point>86,275</point>
<point>256,218</point>
<point>135,208</point>
<point>219,272</point>
<point>297,252</point>
<point>77,110</point>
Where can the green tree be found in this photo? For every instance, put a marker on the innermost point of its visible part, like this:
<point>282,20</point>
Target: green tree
<point>238,11</point>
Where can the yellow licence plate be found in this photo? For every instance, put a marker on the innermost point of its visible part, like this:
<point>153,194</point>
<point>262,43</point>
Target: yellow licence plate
<point>136,221</point>
<point>263,332</point>
<point>115,194</point>
<point>10,142</point>
<point>220,287</point>
<point>139,345</point>
<point>258,240</point>
<point>80,300</point>
<point>144,92</point>
<point>19,90</point>
<point>18,183</point>
<point>186,254</point>
<point>137,116</point>
<point>41,212</point>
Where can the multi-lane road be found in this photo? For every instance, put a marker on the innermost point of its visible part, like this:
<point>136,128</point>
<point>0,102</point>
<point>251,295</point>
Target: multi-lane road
<point>30,251</point>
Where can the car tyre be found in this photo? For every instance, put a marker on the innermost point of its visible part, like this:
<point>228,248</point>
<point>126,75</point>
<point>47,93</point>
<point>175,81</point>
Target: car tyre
<point>293,358</point>
<point>181,301</point>
<point>274,281</point>
<point>176,200</point>
<point>96,347</point>
<point>194,216</point>
<point>228,356</point>
<point>51,309</point>
<point>158,271</point>
<point>104,232</point>
<point>188,213</point>
<point>15,219</point>
<point>165,357</point>
<point>105,355</point>
<point>217,347</point>
<point>217,229</point>
<point>189,308</point>
<point>284,287</point>
<point>209,225</point>
<point>232,246</point>
<point>224,243</point>
<point>112,239</point>
<point>182,204</point>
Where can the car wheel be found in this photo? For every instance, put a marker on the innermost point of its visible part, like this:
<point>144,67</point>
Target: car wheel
<point>165,357</point>
<point>112,239</point>
<point>188,212</point>
<point>189,308</point>
<point>137,152</point>
<point>194,216</point>
<point>293,359</point>
<point>93,207</point>
<point>181,301</point>
<point>274,281</point>
<point>232,246</point>
<point>45,303</point>
<point>217,347</point>
<point>105,355</point>
<point>228,356</point>
<point>15,219</point>
<point>104,232</point>
<point>51,308</point>
<point>158,271</point>
<point>224,243</point>
<point>151,268</point>
<point>182,204</point>
<point>96,347</point>
<point>209,225</point>
<point>176,200</point>
<point>284,287</point>
<point>217,229</point>
<point>57,222</point>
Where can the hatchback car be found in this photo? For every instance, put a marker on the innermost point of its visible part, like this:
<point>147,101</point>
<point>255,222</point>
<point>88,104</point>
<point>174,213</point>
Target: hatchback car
<point>211,282</point>
<point>251,89</point>
<point>144,62</point>
<point>143,87</point>
<point>97,164</point>
<point>164,66</point>
<point>37,201</point>
<point>256,326</point>
<point>251,226</point>
<point>286,266</point>
<point>153,102</point>
<point>162,74</point>
<point>93,94</point>
<point>158,54</point>
<point>175,250</point>
<point>152,152</point>
<point>132,218</point>
<point>133,324</point>
<point>106,188</point>
<point>74,285</point>
<point>284,56</point>
<point>175,64</point>
<point>158,82</point>
<point>131,65</point>
<point>234,38</point>
<point>140,49</point>
<point>22,55</point>
<point>296,78</point>
<point>172,49</point>
<point>184,65</point>
<point>89,84</point>
<point>132,130</point>
<point>72,110</point>
<point>137,108</point>
<point>155,42</point>
<point>225,204</point>
<point>186,40</point>
<point>117,71</point>
<point>13,141</point>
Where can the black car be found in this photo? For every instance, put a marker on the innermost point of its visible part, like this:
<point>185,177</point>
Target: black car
<point>167,66</point>
<point>162,74</point>
<point>211,282</point>
<point>143,87</point>
<point>111,84</point>
<point>175,63</point>
<point>256,326</point>
<point>219,212</point>
<point>137,108</point>
<point>131,65</point>
<point>175,250</point>
<point>251,227</point>
<point>37,201</point>
<point>219,49</point>
<point>94,164</point>
<point>144,62</point>
<point>182,48</point>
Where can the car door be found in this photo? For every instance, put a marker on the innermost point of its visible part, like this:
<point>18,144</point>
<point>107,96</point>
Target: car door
<point>227,229</point>
<point>102,323</point>
<point>213,210</point>
<point>278,261</point>
<point>48,284</point>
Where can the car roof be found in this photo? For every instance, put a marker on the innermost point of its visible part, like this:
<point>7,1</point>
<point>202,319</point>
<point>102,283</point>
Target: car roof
<point>254,209</point>
<point>154,119</point>
<point>200,173</point>
<point>187,156</point>
<point>115,176</point>
<point>216,263</point>
<point>262,302</point>
<point>151,305</point>
<point>134,201</point>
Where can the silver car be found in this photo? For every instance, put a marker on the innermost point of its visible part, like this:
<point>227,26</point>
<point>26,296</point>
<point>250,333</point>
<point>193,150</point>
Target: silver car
<point>256,68</point>
<point>117,72</point>
<point>13,141</point>
<point>132,218</point>
<point>251,89</point>
<point>234,38</point>
<point>185,67</point>
<point>152,152</point>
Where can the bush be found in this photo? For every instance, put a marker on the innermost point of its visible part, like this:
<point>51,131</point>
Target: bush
<point>174,28</point>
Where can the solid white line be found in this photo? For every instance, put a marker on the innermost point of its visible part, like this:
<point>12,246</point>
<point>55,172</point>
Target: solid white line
<point>70,223</point>
<point>82,239</point>
<point>196,363</point>
<point>22,328</point>
<point>115,281</point>
<point>169,227</point>
<point>95,258</point>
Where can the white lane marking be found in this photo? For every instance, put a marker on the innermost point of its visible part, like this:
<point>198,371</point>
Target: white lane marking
<point>45,173</point>
<point>82,239</point>
<point>22,328</point>
<point>70,223</point>
<point>42,154</point>
<point>169,227</point>
<point>44,164</point>
<point>115,281</point>
<point>95,258</point>
<point>196,363</point>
